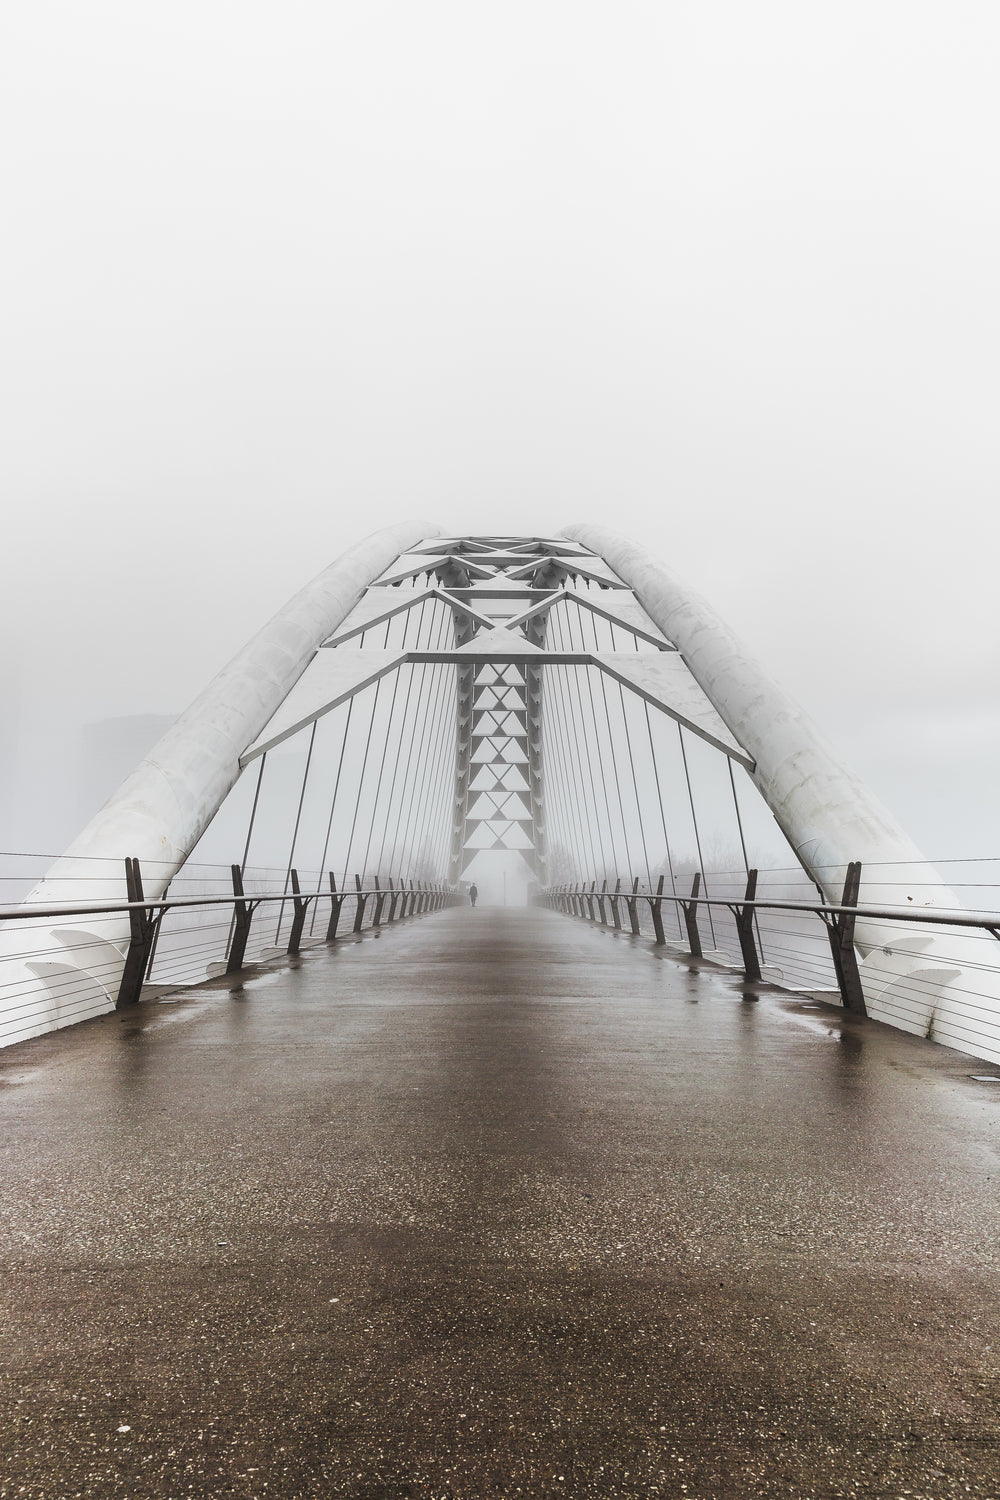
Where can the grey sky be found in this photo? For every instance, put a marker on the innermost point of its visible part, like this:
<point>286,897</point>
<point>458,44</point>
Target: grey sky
<point>720,275</point>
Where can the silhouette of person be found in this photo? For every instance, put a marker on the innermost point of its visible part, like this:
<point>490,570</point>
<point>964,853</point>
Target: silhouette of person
<point>473,892</point>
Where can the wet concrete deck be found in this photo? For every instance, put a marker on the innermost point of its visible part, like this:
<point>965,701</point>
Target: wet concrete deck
<point>495,1204</point>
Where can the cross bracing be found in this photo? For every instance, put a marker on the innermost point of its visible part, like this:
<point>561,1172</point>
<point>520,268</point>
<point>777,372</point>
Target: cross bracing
<point>512,620</point>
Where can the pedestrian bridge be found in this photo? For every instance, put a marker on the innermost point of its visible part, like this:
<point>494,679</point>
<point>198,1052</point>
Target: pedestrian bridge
<point>650,1175</point>
<point>560,720</point>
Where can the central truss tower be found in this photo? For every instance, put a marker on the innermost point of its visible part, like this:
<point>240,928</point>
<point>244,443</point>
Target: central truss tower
<point>499,784</point>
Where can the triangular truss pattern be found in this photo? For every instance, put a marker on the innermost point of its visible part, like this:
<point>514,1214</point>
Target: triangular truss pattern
<point>515,606</point>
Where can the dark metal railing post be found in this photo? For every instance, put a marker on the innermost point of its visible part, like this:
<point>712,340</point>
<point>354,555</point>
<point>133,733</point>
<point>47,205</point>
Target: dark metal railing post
<point>359,914</point>
<point>656,911</point>
<point>744,929</point>
<point>591,898</point>
<point>300,906</point>
<point>632,903</point>
<point>616,915</point>
<point>691,917</point>
<point>601,894</point>
<point>336,902</point>
<point>142,928</point>
<point>393,898</point>
<point>379,904</point>
<point>840,930</point>
<point>243,912</point>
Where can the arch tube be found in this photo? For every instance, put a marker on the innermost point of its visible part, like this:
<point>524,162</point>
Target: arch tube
<point>162,809</point>
<point>912,977</point>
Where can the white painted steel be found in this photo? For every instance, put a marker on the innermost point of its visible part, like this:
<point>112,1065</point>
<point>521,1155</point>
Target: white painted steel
<point>621,606</point>
<point>376,606</point>
<point>662,678</point>
<point>394,574</point>
<point>924,981</point>
<point>329,680</point>
<point>162,809</point>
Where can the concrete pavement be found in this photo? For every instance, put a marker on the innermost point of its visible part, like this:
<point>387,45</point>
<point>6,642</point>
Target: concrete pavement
<point>494,1204</point>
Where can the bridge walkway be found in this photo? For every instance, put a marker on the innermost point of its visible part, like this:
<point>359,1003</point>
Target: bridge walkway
<point>496,1204</point>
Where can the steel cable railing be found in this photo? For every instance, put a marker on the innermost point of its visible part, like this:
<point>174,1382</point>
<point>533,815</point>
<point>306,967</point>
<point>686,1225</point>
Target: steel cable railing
<point>783,931</point>
<point>74,952</point>
<point>913,956</point>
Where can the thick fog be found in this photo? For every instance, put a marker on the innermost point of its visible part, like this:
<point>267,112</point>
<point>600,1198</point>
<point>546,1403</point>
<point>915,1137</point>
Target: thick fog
<point>721,276</point>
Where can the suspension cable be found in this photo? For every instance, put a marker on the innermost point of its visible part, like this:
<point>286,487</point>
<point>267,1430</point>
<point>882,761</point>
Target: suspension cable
<point>432,717</point>
<point>385,751</point>
<point>361,780</point>
<point>576,707</point>
<point>425,714</point>
<point>400,761</point>
<point>611,749</point>
<point>697,838</point>
<point>663,819</point>
<point>438,807</point>
<point>600,754</point>
<point>333,804</point>
<point>253,815</point>
<point>603,779</point>
<point>442,693</point>
<point>577,781</point>
<point>635,788</point>
<point>562,780</point>
<point>440,762</point>
<point>298,818</point>
<point>417,759</point>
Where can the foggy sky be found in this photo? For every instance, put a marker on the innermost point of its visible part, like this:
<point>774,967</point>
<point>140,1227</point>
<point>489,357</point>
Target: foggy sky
<point>722,276</point>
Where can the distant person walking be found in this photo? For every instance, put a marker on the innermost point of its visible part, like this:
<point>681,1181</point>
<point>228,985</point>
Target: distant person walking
<point>473,893</point>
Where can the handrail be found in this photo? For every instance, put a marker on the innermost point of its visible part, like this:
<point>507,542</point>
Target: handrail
<point>989,922</point>
<point>839,920</point>
<point>393,901</point>
<point>163,903</point>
